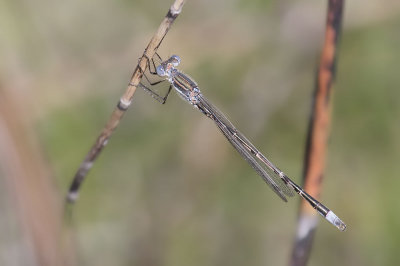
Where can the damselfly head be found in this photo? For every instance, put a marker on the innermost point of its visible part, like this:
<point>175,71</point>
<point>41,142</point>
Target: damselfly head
<point>165,68</point>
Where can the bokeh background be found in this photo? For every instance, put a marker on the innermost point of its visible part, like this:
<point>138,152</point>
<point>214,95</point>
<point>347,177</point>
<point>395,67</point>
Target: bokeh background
<point>169,189</point>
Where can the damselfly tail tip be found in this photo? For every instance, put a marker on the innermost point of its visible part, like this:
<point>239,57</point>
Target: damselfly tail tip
<point>72,197</point>
<point>333,219</point>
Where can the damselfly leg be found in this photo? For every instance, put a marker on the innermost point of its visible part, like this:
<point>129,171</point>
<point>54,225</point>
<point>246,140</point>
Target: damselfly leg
<point>153,72</point>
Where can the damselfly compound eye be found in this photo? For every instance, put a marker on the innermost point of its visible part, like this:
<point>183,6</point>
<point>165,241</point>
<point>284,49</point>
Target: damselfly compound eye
<point>161,71</point>
<point>175,60</point>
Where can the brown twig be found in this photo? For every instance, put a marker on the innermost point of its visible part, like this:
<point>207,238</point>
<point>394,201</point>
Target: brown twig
<point>125,100</point>
<point>318,134</point>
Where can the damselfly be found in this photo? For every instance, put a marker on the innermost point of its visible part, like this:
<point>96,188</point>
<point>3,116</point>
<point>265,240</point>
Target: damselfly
<point>279,182</point>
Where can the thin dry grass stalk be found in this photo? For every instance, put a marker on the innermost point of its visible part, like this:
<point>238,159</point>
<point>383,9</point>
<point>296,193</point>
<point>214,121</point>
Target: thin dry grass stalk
<point>124,101</point>
<point>318,134</point>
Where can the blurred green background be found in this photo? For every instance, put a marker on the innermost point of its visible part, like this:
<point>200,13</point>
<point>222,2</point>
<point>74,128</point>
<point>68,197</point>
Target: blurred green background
<point>169,189</point>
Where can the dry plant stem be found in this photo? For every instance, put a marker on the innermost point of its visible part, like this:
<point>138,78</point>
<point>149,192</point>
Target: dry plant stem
<point>318,134</point>
<point>31,193</point>
<point>125,100</point>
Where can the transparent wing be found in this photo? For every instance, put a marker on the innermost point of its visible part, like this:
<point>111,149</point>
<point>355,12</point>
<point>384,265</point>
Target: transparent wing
<point>247,150</point>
